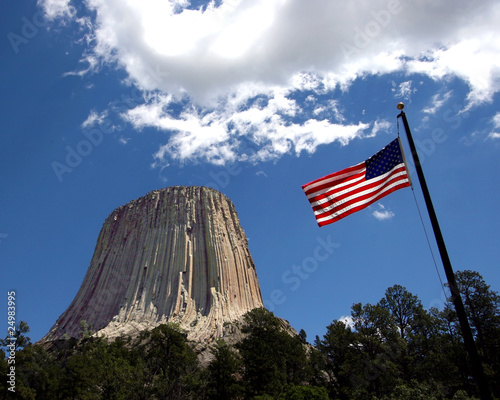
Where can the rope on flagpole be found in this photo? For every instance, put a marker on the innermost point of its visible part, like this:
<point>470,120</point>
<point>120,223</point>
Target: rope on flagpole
<point>424,228</point>
<point>428,241</point>
<point>477,369</point>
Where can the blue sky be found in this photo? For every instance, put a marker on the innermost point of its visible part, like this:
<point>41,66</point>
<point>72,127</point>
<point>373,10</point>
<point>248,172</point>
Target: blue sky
<point>104,101</point>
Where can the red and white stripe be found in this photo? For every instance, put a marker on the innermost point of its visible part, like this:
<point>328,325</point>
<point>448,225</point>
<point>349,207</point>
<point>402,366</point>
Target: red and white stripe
<point>342,193</point>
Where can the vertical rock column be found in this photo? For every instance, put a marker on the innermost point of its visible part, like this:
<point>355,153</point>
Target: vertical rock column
<point>177,254</point>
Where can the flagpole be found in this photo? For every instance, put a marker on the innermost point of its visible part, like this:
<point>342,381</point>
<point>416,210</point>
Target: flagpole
<point>477,368</point>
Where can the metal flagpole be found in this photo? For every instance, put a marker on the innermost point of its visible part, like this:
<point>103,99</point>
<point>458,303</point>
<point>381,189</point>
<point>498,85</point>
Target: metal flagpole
<point>477,368</point>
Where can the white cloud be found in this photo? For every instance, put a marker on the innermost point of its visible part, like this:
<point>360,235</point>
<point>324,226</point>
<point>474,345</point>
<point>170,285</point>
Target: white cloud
<point>222,55</point>
<point>238,132</point>
<point>208,52</point>
<point>57,9</point>
<point>474,60</point>
<point>496,124</point>
<point>94,118</point>
<point>496,120</point>
<point>123,140</point>
<point>437,101</point>
<point>382,214</point>
<point>330,108</point>
<point>348,321</point>
<point>404,90</point>
<point>380,125</point>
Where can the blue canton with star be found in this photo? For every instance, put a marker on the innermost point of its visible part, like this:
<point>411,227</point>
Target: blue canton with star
<point>385,160</point>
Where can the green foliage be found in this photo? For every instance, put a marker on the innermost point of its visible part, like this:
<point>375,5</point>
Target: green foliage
<point>99,370</point>
<point>19,339</point>
<point>397,350</point>
<point>304,393</point>
<point>272,357</point>
<point>37,369</point>
<point>405,310</point>
<point>393,349</point>
<point>171,365</point>
<point>85,330</point>
<point>483,309</point>
<point>4,367</point>
<point>224,372</point>
<point>160,365</point>
<point>462,395</point>
<point>413,391</point>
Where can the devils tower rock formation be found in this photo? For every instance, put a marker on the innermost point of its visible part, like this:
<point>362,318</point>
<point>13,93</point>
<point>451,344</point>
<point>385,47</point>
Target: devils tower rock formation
<point>175,255</point>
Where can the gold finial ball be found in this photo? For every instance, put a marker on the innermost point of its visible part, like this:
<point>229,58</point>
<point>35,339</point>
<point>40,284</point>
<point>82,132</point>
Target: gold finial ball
<point>401,105</point>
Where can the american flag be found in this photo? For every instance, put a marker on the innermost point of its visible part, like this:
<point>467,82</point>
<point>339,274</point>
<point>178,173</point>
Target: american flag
<point>337,195</point>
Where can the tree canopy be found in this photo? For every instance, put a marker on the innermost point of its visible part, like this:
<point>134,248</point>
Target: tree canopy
<point>394,349</point>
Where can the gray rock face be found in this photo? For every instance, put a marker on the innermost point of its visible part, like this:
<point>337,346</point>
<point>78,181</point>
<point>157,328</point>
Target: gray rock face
<point>175,255</point>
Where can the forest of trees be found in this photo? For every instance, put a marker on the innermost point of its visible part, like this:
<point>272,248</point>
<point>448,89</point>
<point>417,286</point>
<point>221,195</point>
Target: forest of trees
<point>394,349</point>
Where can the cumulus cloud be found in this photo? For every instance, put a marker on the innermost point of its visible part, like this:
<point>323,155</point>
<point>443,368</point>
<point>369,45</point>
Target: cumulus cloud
<point>230,52</point>
<point>380,125</point>
<point>473,60</point>
<point>260,131</point>
<point>347,320</point>
<point>404,90</point>
<point>437,101</point>
<point>209,51</point>
<point>496,120</point>
<point>123,140</point>
<point>57,9</point>
<point>496,123</point>
<point>94,118</point>
<point>382,214</point>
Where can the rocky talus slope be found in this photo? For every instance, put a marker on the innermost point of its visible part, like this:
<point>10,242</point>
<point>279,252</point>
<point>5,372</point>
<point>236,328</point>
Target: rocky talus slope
<point>175,255</point>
